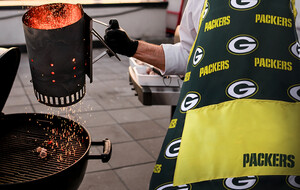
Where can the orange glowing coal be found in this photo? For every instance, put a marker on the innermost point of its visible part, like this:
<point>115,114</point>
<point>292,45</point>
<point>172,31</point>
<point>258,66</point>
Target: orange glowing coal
<point>53,16</point>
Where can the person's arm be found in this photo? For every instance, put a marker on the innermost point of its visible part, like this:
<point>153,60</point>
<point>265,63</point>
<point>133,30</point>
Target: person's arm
<point>170,58</point>
<point>118,40</point>
<point>151,53</point>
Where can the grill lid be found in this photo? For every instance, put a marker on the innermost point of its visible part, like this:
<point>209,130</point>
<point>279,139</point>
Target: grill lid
<point>9,63</point>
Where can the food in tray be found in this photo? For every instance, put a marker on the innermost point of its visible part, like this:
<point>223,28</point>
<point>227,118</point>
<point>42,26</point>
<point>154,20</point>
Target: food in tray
<point>147,75</point>
<point>145,68</point>
<point>150,71</point>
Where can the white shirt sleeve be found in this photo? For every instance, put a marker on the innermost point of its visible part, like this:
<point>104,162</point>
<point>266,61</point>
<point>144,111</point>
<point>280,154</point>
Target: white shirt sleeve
<point>176,55</point>
<point>298,19</point>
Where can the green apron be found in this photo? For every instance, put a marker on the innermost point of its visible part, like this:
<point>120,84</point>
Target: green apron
<point>237,118</point>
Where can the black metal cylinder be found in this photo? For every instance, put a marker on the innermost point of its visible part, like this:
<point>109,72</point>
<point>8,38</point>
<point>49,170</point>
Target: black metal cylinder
<point>57,59</point>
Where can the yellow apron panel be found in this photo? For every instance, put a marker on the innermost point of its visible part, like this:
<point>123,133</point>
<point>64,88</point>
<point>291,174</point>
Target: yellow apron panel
<point>239,138</point>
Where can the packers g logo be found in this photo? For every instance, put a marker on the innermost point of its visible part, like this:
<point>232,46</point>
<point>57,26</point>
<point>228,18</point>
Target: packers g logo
<point>198,56</point>
<point>294,92</point>
<point>169,186</point>
<point>243,5</point>
<point>242,45</point>
<point>172,149</point>
<point>295,49</point>
<point>241,183</point>
<point>241,88</point>
<point>294,181</point>
<point>190,101</point>
<point>205,10</point>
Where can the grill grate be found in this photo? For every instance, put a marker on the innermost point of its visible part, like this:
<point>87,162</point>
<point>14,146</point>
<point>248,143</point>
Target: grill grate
<point>66,142</point>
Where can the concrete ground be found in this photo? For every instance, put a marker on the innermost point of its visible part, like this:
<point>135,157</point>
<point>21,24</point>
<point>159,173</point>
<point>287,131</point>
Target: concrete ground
<point>109,110</point>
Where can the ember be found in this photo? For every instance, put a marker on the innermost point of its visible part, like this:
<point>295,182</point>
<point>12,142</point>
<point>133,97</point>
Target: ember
<point>53,16</point>
<point>61,143</point>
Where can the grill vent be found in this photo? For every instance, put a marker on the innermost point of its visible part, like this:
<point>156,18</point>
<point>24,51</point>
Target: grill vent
<point>60,101</point>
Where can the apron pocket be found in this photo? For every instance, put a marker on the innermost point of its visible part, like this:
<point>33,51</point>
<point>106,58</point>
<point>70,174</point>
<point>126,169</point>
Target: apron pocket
<point>238,138</point>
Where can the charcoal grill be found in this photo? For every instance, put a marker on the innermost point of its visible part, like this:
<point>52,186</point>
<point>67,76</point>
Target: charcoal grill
<point>67,144</point>
<point>21,166</point>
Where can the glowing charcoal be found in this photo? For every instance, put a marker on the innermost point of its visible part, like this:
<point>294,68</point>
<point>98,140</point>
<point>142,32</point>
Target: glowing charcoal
<point>53,16</point>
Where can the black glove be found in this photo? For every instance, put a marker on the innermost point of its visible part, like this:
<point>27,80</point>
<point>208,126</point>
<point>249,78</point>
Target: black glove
<point>118,40</point>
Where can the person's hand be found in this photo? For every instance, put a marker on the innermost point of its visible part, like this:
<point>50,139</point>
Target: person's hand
<point>118,40</point>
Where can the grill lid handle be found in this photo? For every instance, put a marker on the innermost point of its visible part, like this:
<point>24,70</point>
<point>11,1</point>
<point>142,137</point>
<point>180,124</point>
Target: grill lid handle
<point>107,150</point>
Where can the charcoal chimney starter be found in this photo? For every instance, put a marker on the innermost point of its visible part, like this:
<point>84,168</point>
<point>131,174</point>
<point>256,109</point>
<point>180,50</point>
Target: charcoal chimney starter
<point>59,52</point>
